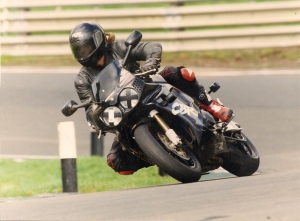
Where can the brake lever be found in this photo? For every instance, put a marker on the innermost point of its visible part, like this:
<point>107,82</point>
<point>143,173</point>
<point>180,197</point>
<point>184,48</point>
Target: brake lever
<point>147,73</point>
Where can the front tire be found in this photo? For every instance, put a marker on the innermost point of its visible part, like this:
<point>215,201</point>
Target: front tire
<point>185,171</point>
<point>244,158</point>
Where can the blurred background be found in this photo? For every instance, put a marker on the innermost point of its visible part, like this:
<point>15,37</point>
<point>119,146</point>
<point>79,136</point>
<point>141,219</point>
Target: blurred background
<point>250,47</point>
<point>38,69</point>
<point>36,32</point>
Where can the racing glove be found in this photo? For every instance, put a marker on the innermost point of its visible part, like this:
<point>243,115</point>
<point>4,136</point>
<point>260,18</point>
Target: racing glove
<point>150,64</point>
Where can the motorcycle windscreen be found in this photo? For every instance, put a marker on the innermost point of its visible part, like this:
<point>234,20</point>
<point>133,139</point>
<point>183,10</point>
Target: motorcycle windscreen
<point>106,81</point>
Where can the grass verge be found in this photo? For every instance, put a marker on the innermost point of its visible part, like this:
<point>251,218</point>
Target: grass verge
<point>233,59</point>
<point>238,59</point>
<point>25,178</point>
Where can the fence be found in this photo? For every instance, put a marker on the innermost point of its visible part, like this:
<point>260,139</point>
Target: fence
<point>177,25</point>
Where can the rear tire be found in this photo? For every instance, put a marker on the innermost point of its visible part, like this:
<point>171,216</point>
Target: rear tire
<point>185,171</point>
<point>244,158</point>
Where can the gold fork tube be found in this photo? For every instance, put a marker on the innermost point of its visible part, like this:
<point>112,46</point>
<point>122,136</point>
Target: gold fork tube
<point>161,122</point>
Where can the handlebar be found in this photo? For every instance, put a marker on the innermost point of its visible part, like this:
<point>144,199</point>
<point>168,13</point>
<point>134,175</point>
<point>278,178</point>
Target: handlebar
<point>147,73</point>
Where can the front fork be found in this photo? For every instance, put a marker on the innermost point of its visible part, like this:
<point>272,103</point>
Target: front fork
<point>170,133</point>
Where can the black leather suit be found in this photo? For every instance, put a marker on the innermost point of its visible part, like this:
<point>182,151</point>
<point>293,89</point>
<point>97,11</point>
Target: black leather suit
<point>118,159</point>
<point>115,51</point>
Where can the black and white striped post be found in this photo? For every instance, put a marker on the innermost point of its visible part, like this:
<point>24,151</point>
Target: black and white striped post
<point>68,155</point>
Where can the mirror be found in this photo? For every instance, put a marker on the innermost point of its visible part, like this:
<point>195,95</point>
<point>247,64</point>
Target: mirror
<point>214,87</point>
<point>134,38</point>
<point>68,109</point>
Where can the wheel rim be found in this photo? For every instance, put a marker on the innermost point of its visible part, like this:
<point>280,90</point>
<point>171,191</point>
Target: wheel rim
<point>241,142</point>
<point>236,137</point>
<point>180,155</point>
<point>170,146</point>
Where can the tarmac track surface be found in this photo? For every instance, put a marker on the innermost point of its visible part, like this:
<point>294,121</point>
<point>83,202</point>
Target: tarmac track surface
<point>267,106</point>
<point>272,196</point>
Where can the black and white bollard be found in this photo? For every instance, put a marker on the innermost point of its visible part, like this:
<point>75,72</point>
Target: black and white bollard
<point>68,155</point>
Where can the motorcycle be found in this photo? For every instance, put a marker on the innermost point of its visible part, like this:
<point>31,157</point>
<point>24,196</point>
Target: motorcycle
<point>163,126</point>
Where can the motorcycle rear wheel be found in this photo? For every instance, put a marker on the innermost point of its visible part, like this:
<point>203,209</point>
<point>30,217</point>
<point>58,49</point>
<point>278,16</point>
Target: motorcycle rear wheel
<point>244,158</point>
<point>185,171</point>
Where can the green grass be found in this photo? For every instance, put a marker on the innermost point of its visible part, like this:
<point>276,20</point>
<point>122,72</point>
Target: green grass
<point>142,5</point>
<point>146,5</point>
<point>235,59</point>
<point>34,177</point>
<point>238,59</point>
<point>35,61</point>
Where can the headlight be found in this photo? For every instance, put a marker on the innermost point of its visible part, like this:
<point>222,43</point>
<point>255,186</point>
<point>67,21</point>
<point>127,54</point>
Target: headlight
<point>112,116</point>
<point>128,98</point>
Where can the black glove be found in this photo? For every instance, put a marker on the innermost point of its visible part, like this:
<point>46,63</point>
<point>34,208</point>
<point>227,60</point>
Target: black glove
<point>151,63</point>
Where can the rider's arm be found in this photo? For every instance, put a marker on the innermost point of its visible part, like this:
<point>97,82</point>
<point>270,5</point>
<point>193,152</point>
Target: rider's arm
<point>141,52</point>
<point>146,50</point>
<point>82,88</point>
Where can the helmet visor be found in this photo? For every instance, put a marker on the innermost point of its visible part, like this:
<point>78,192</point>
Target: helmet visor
<point>83,50</point>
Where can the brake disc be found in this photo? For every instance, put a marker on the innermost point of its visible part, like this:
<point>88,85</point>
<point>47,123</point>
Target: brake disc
<point>178,151</point>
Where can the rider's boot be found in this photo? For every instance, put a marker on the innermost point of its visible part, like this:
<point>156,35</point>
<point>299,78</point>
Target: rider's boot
<point>218,111</point>
<point>214,107</point>
<point>185,80</point>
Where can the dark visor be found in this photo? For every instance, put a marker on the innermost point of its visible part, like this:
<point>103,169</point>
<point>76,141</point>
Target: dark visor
<point>85,49</point>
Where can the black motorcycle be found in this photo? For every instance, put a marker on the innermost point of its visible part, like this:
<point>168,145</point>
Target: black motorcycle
<point>164,126</point>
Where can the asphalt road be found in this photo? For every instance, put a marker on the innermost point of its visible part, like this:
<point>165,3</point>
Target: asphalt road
<point>267,106</point>
<point>267,197</point>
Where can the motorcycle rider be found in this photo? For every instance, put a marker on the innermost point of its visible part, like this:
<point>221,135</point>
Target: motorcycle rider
<point>94,49</point>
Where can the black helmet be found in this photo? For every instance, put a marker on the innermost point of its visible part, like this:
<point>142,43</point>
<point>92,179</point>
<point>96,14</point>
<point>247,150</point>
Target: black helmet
<point>86,41</point>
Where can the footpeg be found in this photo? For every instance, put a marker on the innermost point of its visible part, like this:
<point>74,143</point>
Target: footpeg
<point>230,118</point>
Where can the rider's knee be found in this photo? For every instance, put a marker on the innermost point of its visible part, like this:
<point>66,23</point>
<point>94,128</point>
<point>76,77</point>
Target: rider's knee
<point>122,161</point>
<point>187,74</point>
<point>175,75</point>
<point>114,156</point>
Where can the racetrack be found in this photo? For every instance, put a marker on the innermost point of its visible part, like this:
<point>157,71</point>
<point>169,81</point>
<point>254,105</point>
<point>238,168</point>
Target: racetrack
<point>267,106</point>
<point>272,196</point>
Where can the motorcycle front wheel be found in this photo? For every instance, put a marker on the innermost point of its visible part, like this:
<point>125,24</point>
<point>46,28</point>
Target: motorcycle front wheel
<point>183,167</point>
<point>243,160</point>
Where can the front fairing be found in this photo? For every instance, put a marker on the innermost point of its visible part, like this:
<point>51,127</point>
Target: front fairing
<point>106,82</point>
<point>110,82</point>
<point>182,107</point>
<point>117,91</point>
<point>120,91</point>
